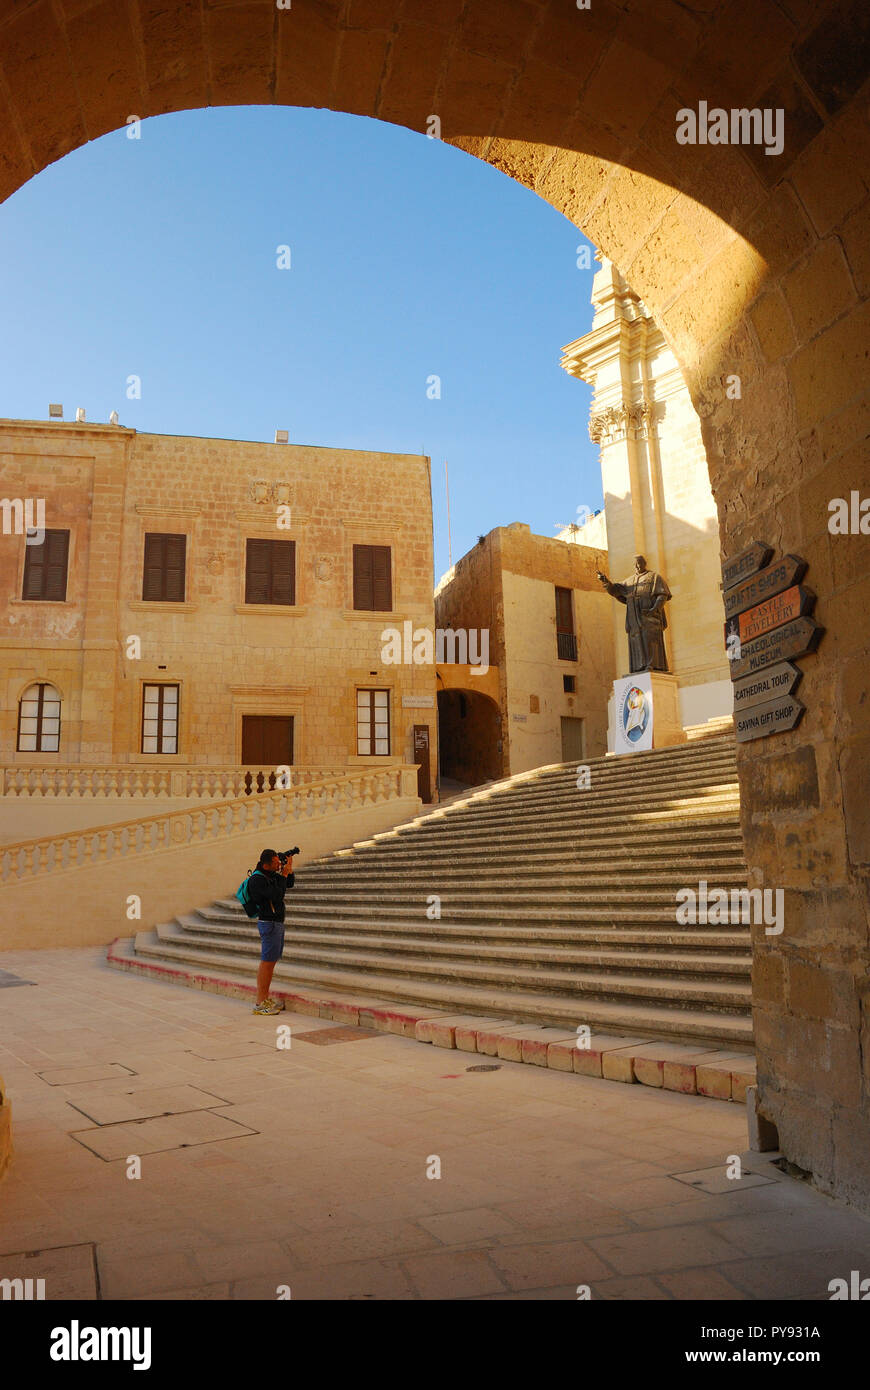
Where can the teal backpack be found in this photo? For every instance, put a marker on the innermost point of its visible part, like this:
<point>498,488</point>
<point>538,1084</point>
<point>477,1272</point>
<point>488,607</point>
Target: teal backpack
<point>242,895</point>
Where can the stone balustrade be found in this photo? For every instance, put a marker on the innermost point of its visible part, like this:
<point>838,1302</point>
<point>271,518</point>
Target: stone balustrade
<point>148,782</point>
<point>209,824</point>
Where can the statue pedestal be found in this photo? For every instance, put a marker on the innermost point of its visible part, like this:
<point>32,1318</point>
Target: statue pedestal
<point>667,729</point>
<point>646,712</point>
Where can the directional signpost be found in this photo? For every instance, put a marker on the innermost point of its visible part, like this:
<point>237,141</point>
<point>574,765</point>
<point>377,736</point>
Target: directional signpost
<point>774,612</point>
<point>773,718</point>
<point>787,643</point>
<point>767,622</point>
<point>786,572</point>
<point>748,562</point>
<point>781,679</point>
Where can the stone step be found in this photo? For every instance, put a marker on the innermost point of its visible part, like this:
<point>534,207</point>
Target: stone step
<point>673,988</point>
<point>535,861</point>
<point>590,803</point>
<point>652,1018</point>
<point>718,781</point>
<point>562,838</point>
<point>693,1067</point>
<point>558,907</point>
<point>711,965</point>
<point>735,939</point>
<point>585,894</point>
<point>562,886</point>
<point>678,873</point>
<point>494,912</point>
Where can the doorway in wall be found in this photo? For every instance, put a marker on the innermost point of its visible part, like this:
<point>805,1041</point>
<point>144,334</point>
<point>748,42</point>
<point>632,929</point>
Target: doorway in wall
<point>573,741</point>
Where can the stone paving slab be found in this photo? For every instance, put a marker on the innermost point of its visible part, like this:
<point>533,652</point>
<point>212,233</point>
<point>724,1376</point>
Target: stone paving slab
<point>681,1074</point>
<point>588,1061</point>
<point>649,1062</point>
<point>441,1030</point>
<point>154,1136</point>
<point>485,1038</point>
<point>726,1080</point>
<point>74,1076</point>
<point>144,1104</point>
<point>531,1044</point>
<point>546,1179</point>
<point>67,1271</point>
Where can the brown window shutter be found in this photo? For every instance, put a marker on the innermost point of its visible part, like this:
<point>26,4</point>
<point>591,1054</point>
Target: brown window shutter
<point>45,567</point>
<point>564,611</point>
<point>152,573</point>
<point>382,585</point>
<point>283,555</point>
<point>163,573</point>
<point>56,559</point>
<point>363,588</point>
<point>34,568</point>
<point>257,572</point>
<point>175,553</point>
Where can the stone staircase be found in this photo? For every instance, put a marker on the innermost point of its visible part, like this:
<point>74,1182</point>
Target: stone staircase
<point>557,906</point>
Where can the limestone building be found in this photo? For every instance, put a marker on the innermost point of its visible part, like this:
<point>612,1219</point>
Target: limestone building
<point>210,601</point>
<point>551,656</point>
<point>657,496</point>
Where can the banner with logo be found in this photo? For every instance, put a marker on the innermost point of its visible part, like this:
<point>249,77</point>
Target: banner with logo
<point>633,704</point>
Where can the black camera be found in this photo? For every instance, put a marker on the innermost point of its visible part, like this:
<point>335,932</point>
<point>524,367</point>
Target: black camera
<point>288,854</point>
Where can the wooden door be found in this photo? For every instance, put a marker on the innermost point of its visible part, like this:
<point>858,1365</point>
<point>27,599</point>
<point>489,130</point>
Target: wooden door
<point>421,756</point>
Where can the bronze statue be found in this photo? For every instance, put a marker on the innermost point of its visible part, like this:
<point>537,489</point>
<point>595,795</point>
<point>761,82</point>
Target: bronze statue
<point>644,594</point>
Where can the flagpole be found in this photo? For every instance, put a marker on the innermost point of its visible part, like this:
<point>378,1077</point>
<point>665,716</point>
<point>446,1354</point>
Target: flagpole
<point>449,541</point>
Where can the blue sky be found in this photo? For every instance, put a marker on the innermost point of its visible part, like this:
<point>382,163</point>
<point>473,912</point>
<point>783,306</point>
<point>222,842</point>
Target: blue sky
<point>157,258</point>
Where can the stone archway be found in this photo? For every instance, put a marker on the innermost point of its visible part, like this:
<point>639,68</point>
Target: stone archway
<point>755,266</point>
<point>469,737</point>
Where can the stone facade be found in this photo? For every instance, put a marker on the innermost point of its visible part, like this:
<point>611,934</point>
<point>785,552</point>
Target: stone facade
<point>657,496</point>
<point>507,585</point>
<point>110,486</point>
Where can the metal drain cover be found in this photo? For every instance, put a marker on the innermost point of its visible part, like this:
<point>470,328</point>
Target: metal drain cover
<point>485,1066</point>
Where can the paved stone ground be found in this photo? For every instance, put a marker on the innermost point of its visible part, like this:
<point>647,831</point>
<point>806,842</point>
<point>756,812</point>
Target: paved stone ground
<point>307,1167</point>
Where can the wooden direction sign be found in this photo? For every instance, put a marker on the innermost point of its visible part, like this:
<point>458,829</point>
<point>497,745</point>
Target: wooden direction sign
<point>789,570</point>
<point>773,717</point>
<point>748,562</point>
<point>782,608</point>
<point>773,681</point>
<point>786,643</point>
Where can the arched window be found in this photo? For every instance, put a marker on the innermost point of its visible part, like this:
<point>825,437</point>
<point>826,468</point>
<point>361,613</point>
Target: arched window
<point>39,719</point>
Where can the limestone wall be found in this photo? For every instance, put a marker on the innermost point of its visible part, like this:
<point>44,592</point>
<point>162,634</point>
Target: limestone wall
<point>509,579</point>
<point>110,486</point>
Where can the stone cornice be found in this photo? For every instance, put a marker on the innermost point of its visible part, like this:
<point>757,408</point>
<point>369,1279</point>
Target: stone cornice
<point>269,691</point>
<point>161,512</point>
<point>585,357</point>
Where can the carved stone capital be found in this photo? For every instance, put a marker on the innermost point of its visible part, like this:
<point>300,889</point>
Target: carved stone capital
<point>622,421</point>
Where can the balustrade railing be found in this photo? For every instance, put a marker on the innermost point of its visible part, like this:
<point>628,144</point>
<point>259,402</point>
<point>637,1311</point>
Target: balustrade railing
<point>221,820</point>
<point>149,782</point>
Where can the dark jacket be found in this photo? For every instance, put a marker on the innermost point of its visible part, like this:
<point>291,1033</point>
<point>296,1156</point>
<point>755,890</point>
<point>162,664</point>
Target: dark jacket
<point>266,891</point>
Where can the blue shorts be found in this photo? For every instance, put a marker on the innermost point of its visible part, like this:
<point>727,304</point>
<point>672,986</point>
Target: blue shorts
<point>271,940</point>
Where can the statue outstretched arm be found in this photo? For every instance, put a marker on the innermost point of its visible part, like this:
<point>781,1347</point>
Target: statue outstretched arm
<point>617,591</point>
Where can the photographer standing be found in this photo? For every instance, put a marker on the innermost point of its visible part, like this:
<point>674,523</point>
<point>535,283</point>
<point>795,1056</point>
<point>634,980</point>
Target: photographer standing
<point>267,886</point>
